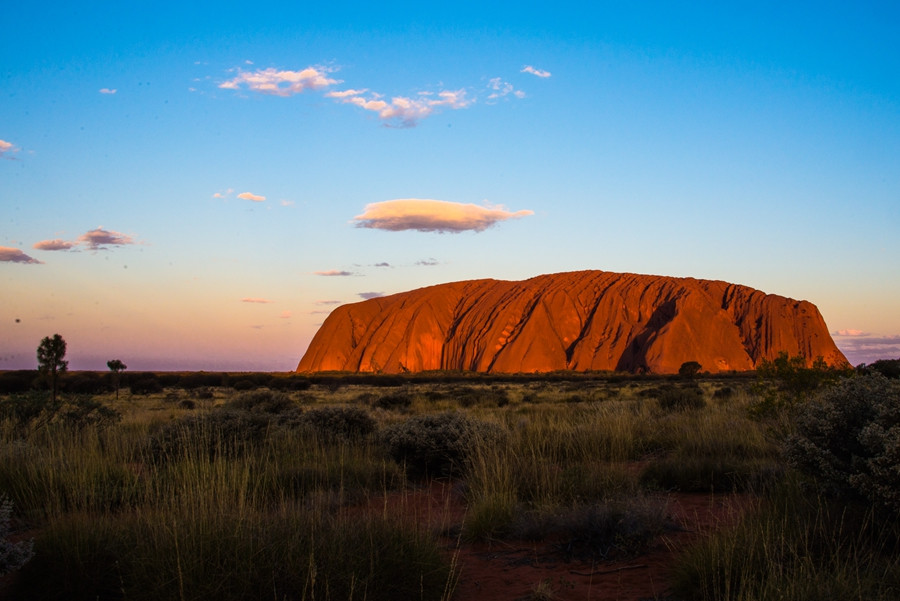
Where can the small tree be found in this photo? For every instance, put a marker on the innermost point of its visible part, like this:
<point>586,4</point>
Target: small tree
<point>689,369</point>
<point>117,367</point>
<point>50,353</point>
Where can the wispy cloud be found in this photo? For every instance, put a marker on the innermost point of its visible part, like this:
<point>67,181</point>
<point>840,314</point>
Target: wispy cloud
<point>55,244</point>
<point>99,238</point>
<point>500,88</point>
<point>425,215</point>
<point>403,111</point>
<point>287,203</point>
<point>285,315</point>
<point>108,90</point>
<point>333,273</point>
<point>224,194</point>
<point>281,82</point>
<point>427,262</point>
<point>14,255</point>
<point>262,301</point>
<point>862,347</point>
<point>382,264</point>
<point>251,196</point>
<point>328,302</point>
<point>6,147</point>
<point>370,295</point>
<point>849,332</point>
<point>540,73</point>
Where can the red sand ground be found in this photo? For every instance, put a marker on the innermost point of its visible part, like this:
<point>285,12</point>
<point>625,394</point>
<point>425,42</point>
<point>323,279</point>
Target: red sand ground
<point>513,570</point>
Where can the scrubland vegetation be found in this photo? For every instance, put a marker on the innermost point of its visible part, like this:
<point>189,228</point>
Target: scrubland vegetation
<point>216,486</point>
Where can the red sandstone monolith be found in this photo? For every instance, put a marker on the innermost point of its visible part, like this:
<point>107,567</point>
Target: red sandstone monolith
<point>584,320</point>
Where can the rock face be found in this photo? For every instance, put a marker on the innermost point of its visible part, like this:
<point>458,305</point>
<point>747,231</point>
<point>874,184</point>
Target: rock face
<point>586,320</point>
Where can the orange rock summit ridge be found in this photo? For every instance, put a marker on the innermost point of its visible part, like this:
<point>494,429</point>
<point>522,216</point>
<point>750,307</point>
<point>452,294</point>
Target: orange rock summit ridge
<point>585,320</point>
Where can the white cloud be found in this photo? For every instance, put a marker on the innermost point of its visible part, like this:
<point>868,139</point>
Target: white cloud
<point>432,216</point>
<point>251,196</point>
<point>108,90</point>
<point>538,72</point>
<point>14,255</point>
<point>281,82</point>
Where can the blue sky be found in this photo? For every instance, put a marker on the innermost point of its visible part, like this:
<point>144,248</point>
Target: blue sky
<point>195,185</point>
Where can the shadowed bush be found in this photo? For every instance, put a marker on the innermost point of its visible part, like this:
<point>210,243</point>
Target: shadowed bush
<point>339,423</point>
<point>848,440</point>
<point>439,444</point>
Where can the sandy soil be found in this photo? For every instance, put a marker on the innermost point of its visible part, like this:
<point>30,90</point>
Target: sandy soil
<point>523,570</point>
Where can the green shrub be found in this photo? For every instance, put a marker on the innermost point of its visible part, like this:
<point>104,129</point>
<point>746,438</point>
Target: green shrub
<point>339,423</point>
<point>848,439</point>
<point>439,444</point>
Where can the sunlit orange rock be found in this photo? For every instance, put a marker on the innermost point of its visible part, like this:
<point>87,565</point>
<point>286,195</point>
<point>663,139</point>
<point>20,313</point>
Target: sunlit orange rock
<point>585,320</point>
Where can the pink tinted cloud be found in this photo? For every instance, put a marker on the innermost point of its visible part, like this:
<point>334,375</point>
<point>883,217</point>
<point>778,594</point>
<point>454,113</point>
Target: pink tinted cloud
<point>285,315</point>
<point>425,215</point>
<point>7,147</point>
<point>328,302</point>
<point>251,196</point>
<point>99,238</point>
<point>263,301</point>
<point>281,82</point>
<point>500,88</point>
<point>333,273</point>
<point>849,332</point>
<point>370,295</point>
<point>56,244</point>
<point>14,255</point>
<point>403,111</point>
<point>540,73</point>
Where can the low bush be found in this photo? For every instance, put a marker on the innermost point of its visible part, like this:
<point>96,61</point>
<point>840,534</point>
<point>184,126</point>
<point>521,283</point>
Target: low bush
<point>393,402</point>
<point>439,444</point>
<point>680,398</point>
<point>224,432</point>
<point>339,423</point>
<point>598,531</point>
<point>848,440</point>
<point>261,401</point>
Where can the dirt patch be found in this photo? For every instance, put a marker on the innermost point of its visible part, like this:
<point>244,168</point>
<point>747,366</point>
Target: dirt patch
<point>522,570</point>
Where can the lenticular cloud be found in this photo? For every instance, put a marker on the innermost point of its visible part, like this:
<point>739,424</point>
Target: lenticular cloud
<point>432,216</point>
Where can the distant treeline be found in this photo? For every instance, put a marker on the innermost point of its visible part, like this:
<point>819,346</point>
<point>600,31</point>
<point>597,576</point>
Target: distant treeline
<point>142,382</point>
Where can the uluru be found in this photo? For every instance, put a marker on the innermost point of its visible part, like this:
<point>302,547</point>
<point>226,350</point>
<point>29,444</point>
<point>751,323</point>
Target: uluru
<point>579,321</point>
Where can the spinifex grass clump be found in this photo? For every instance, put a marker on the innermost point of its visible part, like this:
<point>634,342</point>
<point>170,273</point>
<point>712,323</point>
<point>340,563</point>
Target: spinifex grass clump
<point>800,547</point>
<point>288,554</point>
